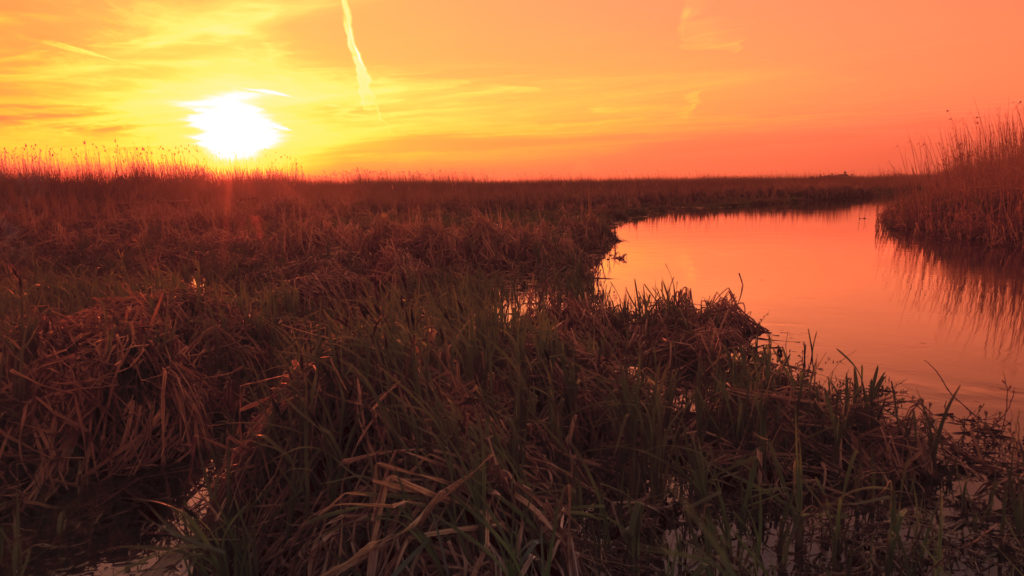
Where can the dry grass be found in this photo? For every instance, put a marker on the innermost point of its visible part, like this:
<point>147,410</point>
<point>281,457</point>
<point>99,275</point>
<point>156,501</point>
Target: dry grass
<point>404,376</point>
<point>971,189</point>
<point>101,162</point>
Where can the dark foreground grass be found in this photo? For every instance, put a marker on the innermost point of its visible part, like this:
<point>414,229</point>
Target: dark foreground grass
<point>268,376</point>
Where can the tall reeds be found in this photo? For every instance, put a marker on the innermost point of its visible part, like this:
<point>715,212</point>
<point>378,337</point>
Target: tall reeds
<point>112,162</point>
<point>970,190</point>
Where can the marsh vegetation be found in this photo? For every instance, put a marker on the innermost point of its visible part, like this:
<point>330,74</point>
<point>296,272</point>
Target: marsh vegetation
<point>261,374</point>
<point>970,189</point>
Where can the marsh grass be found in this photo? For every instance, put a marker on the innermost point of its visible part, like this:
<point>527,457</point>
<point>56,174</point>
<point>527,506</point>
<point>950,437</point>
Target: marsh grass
<point>116,162</point>
<point>971,188</point>
<point>400,376</point>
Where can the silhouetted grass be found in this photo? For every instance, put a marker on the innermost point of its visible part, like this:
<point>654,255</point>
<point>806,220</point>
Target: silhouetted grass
<point>91,162</point>
<point>971,188</point>
<point>268,375</point>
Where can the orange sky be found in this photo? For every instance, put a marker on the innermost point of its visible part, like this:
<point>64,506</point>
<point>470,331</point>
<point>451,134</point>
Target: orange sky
<point>521,89</point>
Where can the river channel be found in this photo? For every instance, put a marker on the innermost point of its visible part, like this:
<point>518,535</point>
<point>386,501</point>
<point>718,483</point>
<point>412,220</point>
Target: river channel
<point>922,317</point>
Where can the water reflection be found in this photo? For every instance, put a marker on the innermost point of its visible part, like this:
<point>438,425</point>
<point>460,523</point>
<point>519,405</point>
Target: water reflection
<point>923,316</point>
<point>979,293</point>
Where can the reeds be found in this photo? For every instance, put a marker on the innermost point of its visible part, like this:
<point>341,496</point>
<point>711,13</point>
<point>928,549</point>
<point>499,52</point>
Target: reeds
<point>292,377</point>
<point>971,188</point>
<point>114,162</point>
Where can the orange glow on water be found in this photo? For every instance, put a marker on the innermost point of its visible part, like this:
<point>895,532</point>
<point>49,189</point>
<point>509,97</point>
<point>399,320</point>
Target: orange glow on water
<point>531,89</point>
<point>826,277</point>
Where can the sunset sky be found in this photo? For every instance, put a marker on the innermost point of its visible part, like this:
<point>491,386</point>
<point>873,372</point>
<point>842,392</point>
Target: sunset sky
<point>525,89</point>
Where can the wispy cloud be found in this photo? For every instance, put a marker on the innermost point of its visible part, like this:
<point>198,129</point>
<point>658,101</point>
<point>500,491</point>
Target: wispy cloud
<point>270,92</point>
<point>580,107</point>
<point>366,95</point>
<point>701,33</point>
<point>45,113</point>
<point>690,102</point>
<point>152,26</point>
<point>122,70</point>
<point>75,49</point>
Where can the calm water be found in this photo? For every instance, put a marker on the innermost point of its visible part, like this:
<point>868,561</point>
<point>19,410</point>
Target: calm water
<point>829,277</point>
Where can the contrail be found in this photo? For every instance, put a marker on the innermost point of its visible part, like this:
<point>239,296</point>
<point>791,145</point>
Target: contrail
<point>75,49</point>
<point>366,96</point>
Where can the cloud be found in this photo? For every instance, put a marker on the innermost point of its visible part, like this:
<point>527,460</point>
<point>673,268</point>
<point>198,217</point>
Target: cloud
<point>120,70</point>
<point>700,33</point>
<point>690,102</point>
<point>270,92</point>
<point>158,26</point>
<point>26,114</point>
<point>74,49</point>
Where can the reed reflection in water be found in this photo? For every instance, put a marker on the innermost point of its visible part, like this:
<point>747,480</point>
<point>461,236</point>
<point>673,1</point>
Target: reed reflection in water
<point>979,293</point>
<point>828,276</point>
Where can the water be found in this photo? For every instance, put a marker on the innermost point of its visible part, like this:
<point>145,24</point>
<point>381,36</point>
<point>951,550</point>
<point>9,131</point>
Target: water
<point>921,316</point>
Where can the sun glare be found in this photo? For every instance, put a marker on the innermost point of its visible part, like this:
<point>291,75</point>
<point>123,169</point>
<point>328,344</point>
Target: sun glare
<point>231,127</point>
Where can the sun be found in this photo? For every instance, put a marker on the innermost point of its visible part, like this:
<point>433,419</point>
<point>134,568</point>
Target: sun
<point>231,127</point>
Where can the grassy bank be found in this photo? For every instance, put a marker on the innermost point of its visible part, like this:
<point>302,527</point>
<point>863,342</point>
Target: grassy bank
<point>971,189</point>
<point>274,376</point>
